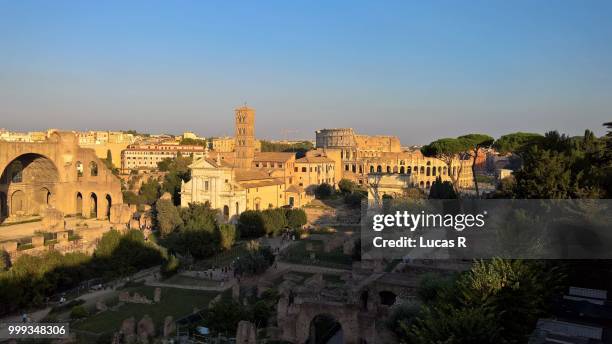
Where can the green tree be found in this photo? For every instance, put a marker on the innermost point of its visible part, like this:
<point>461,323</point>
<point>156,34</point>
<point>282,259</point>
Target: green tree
<point>346,186</point>
<point>296,218</point>
<point>475,143</point>
<point>274,220</point>
<point>450,325</point>
<point>228,235</point>
<point>150,191</point>
<point>515,142</point>
<point>167,217</point>
<point>450,151</point>
<point>323,191</point>
<point>251,224</point>
<point>442,190</point>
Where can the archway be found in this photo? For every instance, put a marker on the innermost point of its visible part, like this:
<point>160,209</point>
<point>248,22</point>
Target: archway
<point>27,182</point>
<point>387,298</point>
<point>325,329</point>
<point>18,205</point>
<point>237,209</point>
<point>3,206</point>
<point>225,212</point>
<point>109,203</point>
<point>79,204</point>
<point>93,206</point>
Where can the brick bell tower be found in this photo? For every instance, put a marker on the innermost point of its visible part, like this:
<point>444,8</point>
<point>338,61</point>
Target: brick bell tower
<point>245,136</point>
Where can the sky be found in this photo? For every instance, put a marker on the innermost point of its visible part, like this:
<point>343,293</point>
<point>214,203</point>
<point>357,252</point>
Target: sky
<point>420,70</point>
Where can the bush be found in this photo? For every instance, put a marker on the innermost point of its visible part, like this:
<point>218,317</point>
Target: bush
<point>354,199</point>
<point>228,235</point>
<point>78,312</point>
<point>251,224</point>
<point>296,218</point>
<point>170,266</point>
<point>274,220</point>
<point>167,217</point>
<point>324,191</point>
<point>347,186</point>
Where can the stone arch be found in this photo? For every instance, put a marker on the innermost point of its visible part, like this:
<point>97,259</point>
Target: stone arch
<point>428,184</point>
<point>35,176</point>
<point>379,169</point>
<point>421,184</point>
<point>445,171</point>
<point>428,173</point>
<point>422,170</point>
<point>323,327</point>
<point>408,170</point>
<point>93,205</point>
<point>237,209</point>
<point>18,206</point>
<point>79,204</point>
<point>109,203</point>
<point>93,169</point>
<point>433,171</point>
<point>371,168</point>
<point>395,169</point>
<point>402,170</point>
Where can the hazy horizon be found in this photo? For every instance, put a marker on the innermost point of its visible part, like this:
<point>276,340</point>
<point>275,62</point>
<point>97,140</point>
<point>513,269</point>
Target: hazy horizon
<point>419,71</point>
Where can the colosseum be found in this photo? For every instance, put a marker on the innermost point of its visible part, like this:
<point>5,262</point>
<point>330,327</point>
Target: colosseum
<point>364,155</point>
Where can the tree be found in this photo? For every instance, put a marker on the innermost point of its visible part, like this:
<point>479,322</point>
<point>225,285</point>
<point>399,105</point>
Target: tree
<point>518,291</point>
<point>296,218</point>
<point>251,224</point>
<point>515,142</point>
<point>167,217</point>
<point>474,143</point>
<point>448,150</point>
<point>150,191</point>
<point>324,191</point>
<point>228,235</point>
<point>178,172</point>
<point>442,190</point>
<point>346,186</point>
<point>274,220</point>
<point>130,197</point>
<point>451,325</point>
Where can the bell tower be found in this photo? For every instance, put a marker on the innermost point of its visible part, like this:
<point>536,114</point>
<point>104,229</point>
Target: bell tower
<point>245,136</point>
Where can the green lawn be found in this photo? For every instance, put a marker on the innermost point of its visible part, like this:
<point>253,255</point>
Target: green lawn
<point>298,254</point>
<point>222,259</point>
<point>174,302</point>
<point>191,281</point>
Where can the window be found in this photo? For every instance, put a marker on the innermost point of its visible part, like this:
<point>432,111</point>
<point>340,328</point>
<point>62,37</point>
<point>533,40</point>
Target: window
<point>206,185</point>
<point>93,168</point>
<point>303,169</point>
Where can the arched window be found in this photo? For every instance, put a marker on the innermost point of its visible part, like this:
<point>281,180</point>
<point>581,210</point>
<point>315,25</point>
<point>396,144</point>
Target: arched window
<point>421,184</point>
<point>379,169</point>
<point>402,170</point>
<point>79,168</point>
<point>395,169</point>
<point>422,170</point>
<point>409,170</point>
<point>226,212</point>
<point>433,171</point>
<point>416,169</point>
<point>445,171</point>
<point>371,169</point>
<point>428,171</point>
<point>237,209</point>
<point>93,169</point>
<point>427,184</point>
<point>388,169</point>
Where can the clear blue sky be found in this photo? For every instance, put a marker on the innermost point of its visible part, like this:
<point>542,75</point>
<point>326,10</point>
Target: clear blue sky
<point>419,70</point>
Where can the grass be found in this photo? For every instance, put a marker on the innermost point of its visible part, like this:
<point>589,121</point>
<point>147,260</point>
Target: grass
<point>174,302</point>
<point>299,255</point>
<point>191,281</point>
<point>224,258</point>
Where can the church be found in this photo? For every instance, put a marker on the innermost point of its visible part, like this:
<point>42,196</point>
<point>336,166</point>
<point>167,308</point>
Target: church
<point>244,179</point>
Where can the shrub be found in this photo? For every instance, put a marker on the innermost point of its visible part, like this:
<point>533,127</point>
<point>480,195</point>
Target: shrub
<point>323,191</point>
<point>251,224</point>
<point>78,312</point>
<point>228,235</point>
<point>170,266</point>
<point>296,218</point>
<point>346,186</point>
